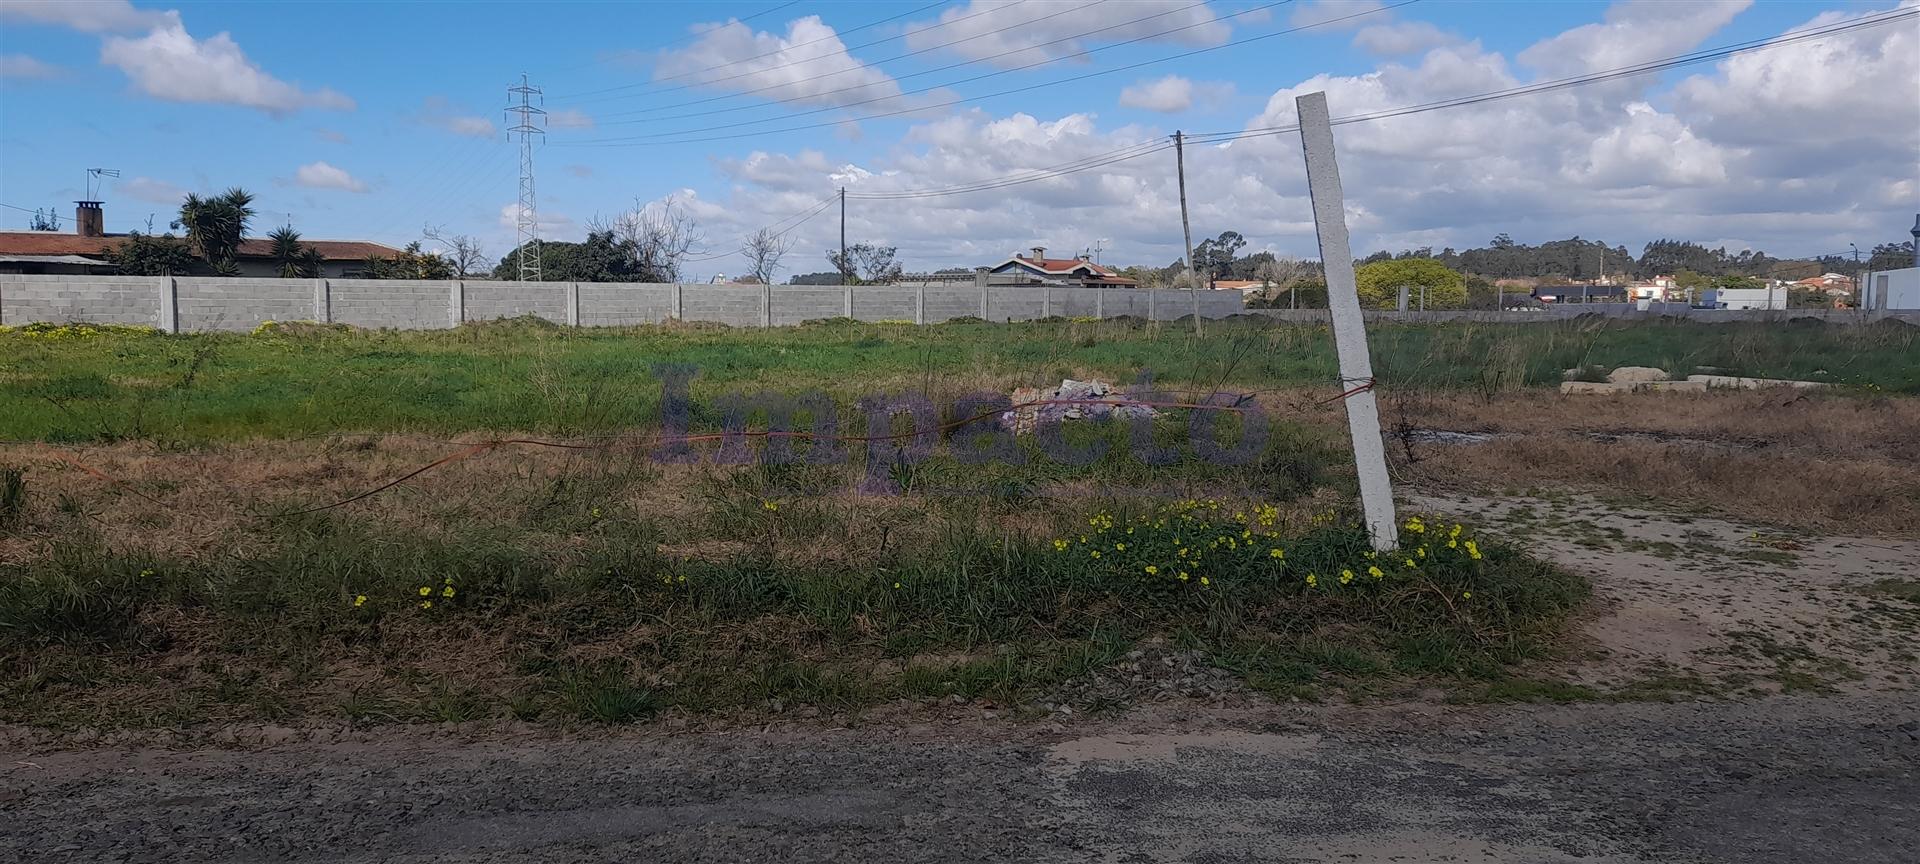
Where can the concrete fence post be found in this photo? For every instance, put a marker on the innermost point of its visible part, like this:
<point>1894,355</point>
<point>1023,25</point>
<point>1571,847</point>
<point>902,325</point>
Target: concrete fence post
<point>456,303</point>
<point>322,302</point>
<point>1153,304</point>
<point>1099,302</point>
<point>983,303</point>
<point>920,304</point>
<point>573,304</point>
<point>679,302</point>
<point>169,303</point>
<point>1046,301</point>
<point>766,305</point>
<point>846,303</point>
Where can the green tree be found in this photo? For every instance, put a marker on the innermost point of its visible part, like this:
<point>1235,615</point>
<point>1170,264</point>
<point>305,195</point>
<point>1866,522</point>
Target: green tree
<point>147,255</point>
<point>867,264</point>
<point>411,263</point>
<point>1380,283</point>
<point>215,226</point>
<point>1213,259</point>
<point>604,257</point>
<point>291,258</point>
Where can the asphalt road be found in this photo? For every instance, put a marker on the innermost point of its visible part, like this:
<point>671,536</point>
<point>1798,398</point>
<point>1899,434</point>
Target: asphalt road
<point>1779,780</point>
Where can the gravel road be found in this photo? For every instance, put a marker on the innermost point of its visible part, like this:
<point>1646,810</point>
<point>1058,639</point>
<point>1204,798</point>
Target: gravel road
<point>1788,779</point>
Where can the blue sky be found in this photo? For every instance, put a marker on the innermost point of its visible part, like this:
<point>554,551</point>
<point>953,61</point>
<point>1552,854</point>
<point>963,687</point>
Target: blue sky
<point>370,120</point>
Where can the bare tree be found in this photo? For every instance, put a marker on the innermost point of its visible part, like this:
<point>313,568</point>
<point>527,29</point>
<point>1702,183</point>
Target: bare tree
<point>763,250</point>
<point>1283,272</point>
<point>463,251</point>
<point>660,237</point>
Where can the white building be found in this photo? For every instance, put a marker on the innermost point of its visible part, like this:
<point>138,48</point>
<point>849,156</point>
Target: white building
<point>1749,298</point>
<point>1891,290</point>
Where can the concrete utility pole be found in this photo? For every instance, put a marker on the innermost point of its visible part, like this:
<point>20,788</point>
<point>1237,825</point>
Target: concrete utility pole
<point>1186,229</point>
<point>843,235</point>
<point>1349,327</point>
<point>1916,239</point>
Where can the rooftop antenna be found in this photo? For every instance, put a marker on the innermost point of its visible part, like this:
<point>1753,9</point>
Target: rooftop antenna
<point>526,121</point>
<point>93,180</point>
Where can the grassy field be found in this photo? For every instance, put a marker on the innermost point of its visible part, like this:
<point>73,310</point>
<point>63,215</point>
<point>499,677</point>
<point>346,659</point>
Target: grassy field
<point>157,568</point>
<point>532,377</point>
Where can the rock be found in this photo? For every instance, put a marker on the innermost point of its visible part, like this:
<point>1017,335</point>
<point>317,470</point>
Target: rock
<point>1636,374</point>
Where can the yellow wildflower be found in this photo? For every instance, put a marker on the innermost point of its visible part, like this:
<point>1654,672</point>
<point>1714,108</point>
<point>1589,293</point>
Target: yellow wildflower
<point>1059,545</point>
<point>1312,580</point>
<point>1276,553</point>
<point>426,604</point>
<point>1346,576</point>
<point>1204,581</point>
<point>360,601</point>
<point>1152,570</point>
<point>447,592</point>
<point>1096,553</point>
<point>1375,572</point>
<point>1466,595</point>
<point>426,590</point>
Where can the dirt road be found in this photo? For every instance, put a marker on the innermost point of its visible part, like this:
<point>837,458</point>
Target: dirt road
<point>1790,779</point>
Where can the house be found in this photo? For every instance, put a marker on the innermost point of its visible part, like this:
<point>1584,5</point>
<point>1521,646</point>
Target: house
<point>1743,298</point>
<point>1038,269</point>
<point>1246,287</point>
<point>1893,290</point>
<point>1658,289</point>
<point>85,252</point>
<point>1581,293</point>
<point>1834,284</point>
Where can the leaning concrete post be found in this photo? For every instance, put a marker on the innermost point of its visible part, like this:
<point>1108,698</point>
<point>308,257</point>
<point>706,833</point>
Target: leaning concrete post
<point>1349,328</point>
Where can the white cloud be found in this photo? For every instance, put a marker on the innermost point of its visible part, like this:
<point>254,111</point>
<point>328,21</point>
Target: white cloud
<point>809,65</point>
<point>438,112</point>
<point>551,225</point>
<point>1401,38</point>
<point>1634,31</point>
<point>23,66</point>
<point>320,175</point>
<point>168,63</point>
<point>1768,147</point>
<point>1173,94</point>
<point>151,190</point>
<point>569,118</point>
<point>89,16</point>
<point>1029,32</point>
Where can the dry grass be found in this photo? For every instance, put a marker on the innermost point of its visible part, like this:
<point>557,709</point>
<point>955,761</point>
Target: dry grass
<point>1816,461</point>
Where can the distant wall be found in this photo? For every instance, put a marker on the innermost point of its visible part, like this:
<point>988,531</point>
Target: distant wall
<point>196,304</point>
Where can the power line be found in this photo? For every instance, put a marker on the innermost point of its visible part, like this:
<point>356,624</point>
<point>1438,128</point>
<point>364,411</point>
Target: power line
<point>764,56</point>
<point>673,42</point>
<point>1146,148</point>
<point>640,140</point>
<point>1591,78</point>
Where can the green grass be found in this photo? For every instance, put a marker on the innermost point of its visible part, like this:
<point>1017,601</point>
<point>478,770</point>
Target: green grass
<point>605,626</point>
<point>536,377</point>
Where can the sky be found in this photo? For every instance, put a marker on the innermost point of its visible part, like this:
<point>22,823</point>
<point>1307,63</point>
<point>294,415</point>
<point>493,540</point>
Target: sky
<point>373,121</point>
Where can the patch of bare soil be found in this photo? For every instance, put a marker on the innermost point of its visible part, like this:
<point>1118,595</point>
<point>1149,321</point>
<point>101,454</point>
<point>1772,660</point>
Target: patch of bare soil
<point>1709,606</point>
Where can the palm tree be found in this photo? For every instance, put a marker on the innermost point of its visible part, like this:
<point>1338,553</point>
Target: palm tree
<point>293,259</point>
<point>215,226</point>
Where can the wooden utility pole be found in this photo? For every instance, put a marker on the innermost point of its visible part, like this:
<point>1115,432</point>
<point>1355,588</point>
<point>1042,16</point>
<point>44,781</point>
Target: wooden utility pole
<point>1186,228</point>
<point>843,235</point>
<point>1349,326</point>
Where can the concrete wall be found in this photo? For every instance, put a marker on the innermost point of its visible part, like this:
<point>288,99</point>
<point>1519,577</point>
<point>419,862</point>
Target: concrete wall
<point>400,304</point>
<point>133,300</point>
<point>487,301</point>
<point>241,304</point>
<point>623,304</point>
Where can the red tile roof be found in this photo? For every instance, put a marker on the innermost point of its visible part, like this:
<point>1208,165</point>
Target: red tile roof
<point>56,243</point>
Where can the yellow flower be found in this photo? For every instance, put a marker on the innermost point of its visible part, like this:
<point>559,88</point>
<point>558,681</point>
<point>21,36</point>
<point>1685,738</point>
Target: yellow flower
<point>1410,563</point>
<point>1473,550</point>
<point>447,592</point>
<point>1096,553</point>
<point>359,601</point>
<point>426,590</point>
<point>1422,551</point>
<point>1182,553</point>
<point>1312,580</point>
<point>1375,572</point>
<point>1453,544</point>
<point>1183,577</point>
<point>1152,570</point>
<point>683,579</point>
<point>1120,547</point>
<point>1276,553</point>
<point>595,513</point>
<point>1204,581</point>
<point>1059,545</point>
<point>1346,576</point>
<point>1466,595</point>
<point>426,604</point>
<point>896,586</point>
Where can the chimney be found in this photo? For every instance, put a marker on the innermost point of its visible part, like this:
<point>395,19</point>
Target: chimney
<point>89,220</point>
<point>1039,253</point>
